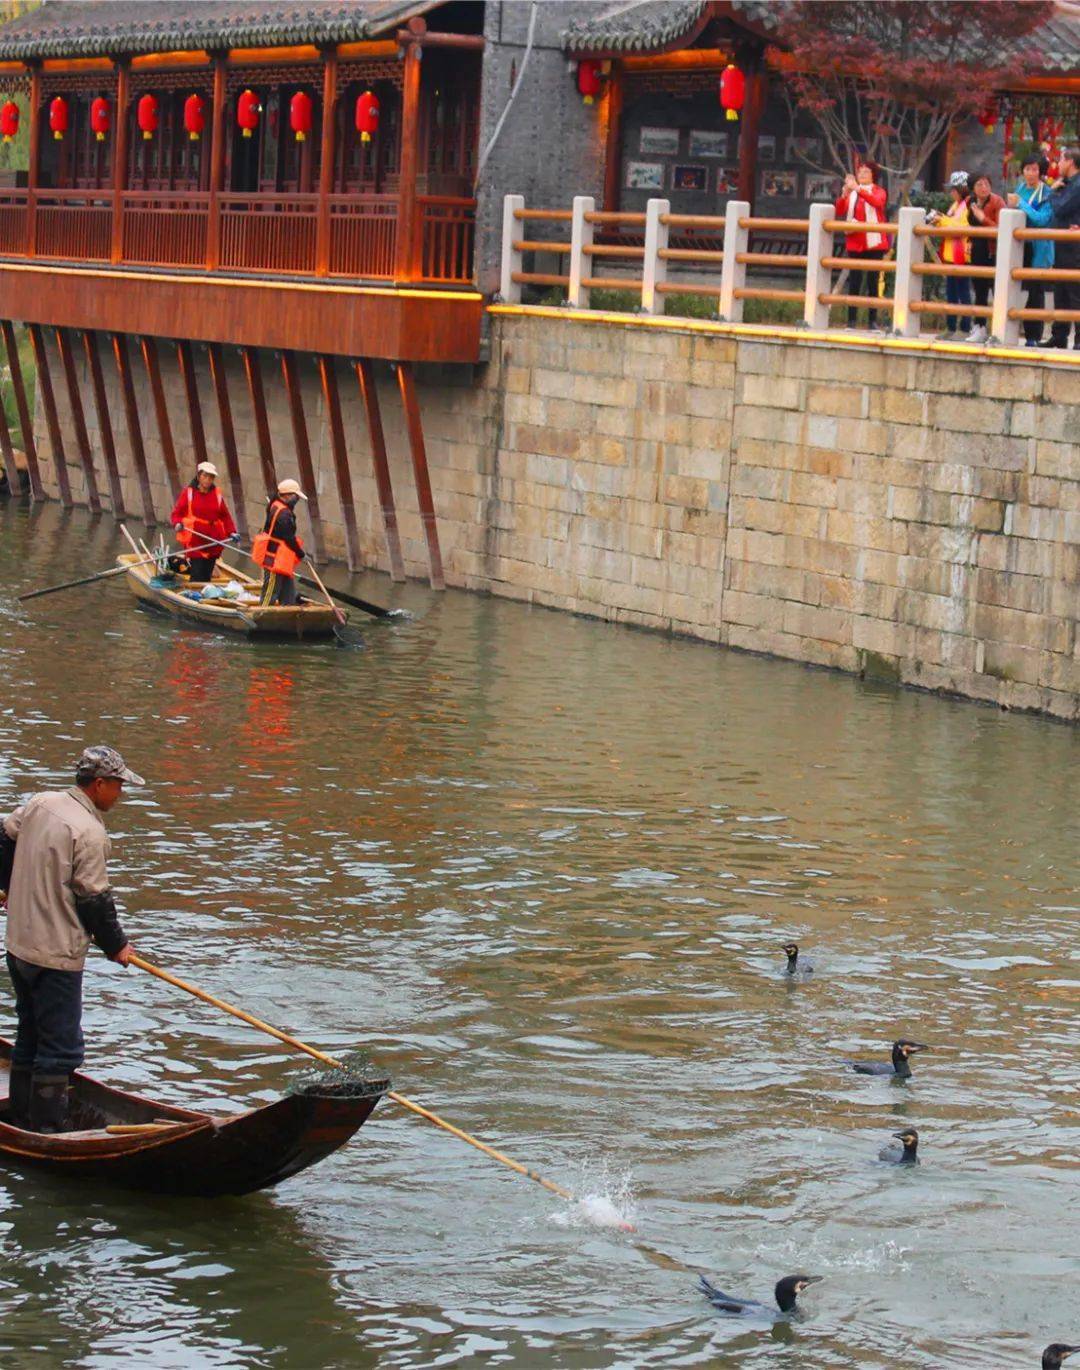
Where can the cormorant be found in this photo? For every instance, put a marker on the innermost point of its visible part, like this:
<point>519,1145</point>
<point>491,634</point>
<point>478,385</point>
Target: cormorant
<point>787,1290</point>
<point>907,1156</point>
<point>1055,1354</point>
<point>901,1050</point>
<point>794,965</point>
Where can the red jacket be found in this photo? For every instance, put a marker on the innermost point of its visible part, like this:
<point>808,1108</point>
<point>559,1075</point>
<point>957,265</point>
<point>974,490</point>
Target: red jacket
<point>869,207</point>
<point>212,517</point>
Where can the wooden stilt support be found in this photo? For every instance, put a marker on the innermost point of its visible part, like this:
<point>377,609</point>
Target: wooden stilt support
<point>191,391</point>
<point>52,420</point>
<point>104,418</point>
<point>26,425</point>
<point>78,420</point>
<point>228,437</point>
<point>161,411</point>
<point>8,450</point>
<point>328,377</point>
<point>253,371</point>
<point>365,375</point>
<point>407,386</point>
<point>134,427</point>
<point>291,377</point>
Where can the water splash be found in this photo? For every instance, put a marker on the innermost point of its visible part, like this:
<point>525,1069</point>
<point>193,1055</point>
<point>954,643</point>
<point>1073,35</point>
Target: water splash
<point>605,1199</point>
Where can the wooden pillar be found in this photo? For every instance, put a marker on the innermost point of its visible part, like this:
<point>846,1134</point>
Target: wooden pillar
<point>407,386</point>
<point>26,424</point>
<point>161,412</point>
<point>134,427</point>
<point>78,420</point>
<point>326,162</point>
<point>52,421</point>
<point>217,165</point>
<point>328,377</point>
<point>33,168</point>
<point>291,377</point>
<point>750,127</point>
<point>8,450</point>
<point>365,376</point>
<point>613,113</point>
<point>407,268</point>
<point>228,437</point>
<point>253,372</point>
<point>120,159</point>
<point>104,418</point>
<point>191,392</point>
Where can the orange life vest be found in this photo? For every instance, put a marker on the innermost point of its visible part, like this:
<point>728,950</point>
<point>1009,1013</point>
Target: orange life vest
<point>188,533</point>
<point>270,552</point>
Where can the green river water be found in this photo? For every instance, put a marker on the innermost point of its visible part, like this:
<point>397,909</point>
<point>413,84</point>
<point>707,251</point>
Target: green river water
<point>540,868</point>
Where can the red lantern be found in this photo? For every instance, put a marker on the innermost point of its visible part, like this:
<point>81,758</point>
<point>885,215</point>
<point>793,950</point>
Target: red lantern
<point>732,91</point>
<point>300,115</point>
<point>248,110</point>
<point>989,117</point>
<point>100,120</point>
<point>588,80</point>
<point>194,116</point>
<point>58,117</point>
<point>367,115</point>
<point>146,112</point>
<point>9,120</point>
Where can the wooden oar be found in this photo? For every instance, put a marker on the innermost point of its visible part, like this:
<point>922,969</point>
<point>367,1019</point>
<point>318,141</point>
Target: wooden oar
<point>296,1043</point>
<point>88,580</point>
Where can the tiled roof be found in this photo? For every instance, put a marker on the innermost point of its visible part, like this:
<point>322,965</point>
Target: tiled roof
<point>1054,47</point>
<point>647,25</point>
<point>107,28</point>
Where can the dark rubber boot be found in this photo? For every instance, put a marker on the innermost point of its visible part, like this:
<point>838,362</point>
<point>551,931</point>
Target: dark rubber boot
<point>19,1095</point>
<point>48,1103</point>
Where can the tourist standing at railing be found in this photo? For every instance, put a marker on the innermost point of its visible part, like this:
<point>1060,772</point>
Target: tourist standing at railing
<point>1065,201</point>
<point>1032,195</point>
<point>984,210</point>
<point>954,250</point>
<point>863,201</point>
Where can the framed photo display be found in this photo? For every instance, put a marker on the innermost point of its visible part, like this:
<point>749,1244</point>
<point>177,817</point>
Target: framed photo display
<point>802,150</point>
<point>644,176</point>
<point>708,142</point>
<point>690,178</point>
<point>766,148</point>
<point>780,185</point>
<point>658,142</point>
<point>727,180</point>
<point>821,186</point>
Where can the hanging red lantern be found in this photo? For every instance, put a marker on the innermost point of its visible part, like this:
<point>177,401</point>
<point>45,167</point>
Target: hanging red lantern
<point>9,120</point>
<point>194,116</point>
<point>732,91</point>
<point>248,110</point>
<point>146,112</point>
<point>300,115</point>
<point>367,115</point>
<point>588,80</point>
<point>100,119</point>
<point>58,116</point>
<point>988,116</point>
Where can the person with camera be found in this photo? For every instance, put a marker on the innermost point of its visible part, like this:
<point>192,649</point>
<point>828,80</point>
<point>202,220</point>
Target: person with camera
<point>863,201</point>
<point>984,210</point>
<point>954,249</point>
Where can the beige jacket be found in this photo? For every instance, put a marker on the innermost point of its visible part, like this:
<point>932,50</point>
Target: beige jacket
<point>61,855</point>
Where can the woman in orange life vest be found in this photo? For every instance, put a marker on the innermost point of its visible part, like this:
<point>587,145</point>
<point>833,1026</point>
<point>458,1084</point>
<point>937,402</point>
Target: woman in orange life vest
<point>201,513</point>
<point>277,549</point>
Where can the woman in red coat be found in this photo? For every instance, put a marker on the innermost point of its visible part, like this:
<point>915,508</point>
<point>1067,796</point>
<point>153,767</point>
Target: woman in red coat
<point>200,513</point>
<point>863,201</point>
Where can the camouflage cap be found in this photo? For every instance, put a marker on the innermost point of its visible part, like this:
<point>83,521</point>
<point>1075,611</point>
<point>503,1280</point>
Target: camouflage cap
<point>105,763</point>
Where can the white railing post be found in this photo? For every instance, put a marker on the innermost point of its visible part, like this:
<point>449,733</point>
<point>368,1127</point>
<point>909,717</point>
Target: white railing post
<point>509,289</point>
<point>733,272</point>
<point>654,268</point>
<point>819,245</point>
<point>581,236</point>
<point>1008,293</point>
<point>908,286</point>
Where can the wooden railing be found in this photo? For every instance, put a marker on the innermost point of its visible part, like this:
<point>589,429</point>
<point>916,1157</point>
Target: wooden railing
<point>75,225</point>
<point>363,235</point>
<point>14,221</point>
<point>648,267</point>
<point>274,233</point>
<point>447,234</point>
<point>165,228</point>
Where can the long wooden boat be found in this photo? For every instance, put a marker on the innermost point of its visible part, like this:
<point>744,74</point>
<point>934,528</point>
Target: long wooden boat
<point>132,1141</point>
<point>306,619</point>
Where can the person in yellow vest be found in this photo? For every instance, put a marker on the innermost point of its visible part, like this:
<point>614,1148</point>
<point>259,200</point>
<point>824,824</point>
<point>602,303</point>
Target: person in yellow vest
<point>277,549</point>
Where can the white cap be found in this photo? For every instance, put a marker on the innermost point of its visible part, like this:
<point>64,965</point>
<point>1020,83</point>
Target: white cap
<point>208,468</point>
<point>290,487</point>
<point>958,179</point>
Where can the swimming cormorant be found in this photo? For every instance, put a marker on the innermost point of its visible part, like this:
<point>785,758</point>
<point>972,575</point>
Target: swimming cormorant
<point>794,965</point>
<point>787,1291</point>
<point>901,1050</point>
<point>895,1156</point>
<point>1055,1354</point>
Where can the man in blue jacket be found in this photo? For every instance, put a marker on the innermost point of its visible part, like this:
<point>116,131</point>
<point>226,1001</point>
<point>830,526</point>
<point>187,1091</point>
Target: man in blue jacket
<point>1065,200</point>
<point>1032,195</point>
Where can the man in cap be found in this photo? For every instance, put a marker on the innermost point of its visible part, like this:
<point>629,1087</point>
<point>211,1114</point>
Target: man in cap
<point>277,549</point>
<point>53,855</point>
<point>200,514</point>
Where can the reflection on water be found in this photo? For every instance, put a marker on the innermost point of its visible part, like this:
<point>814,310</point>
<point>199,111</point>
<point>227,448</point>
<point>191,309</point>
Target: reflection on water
<point>541,868</point>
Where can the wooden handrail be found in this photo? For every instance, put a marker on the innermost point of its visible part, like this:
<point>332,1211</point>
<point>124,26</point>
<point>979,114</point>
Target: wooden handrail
<point>761,292</point>
<point>611,250</point>
<point>778,225</point>
<point>854,226</point>
<point>1048,235</point>
<point>693,220</point>
<point>977,311</point>
<point>952,231</point>
<point>689,254</point>
<point>537,278</point>
<point>612,216</point>
<point>556,216</point>
<point>528,245</point>
<point>1054,315</point>
<point>611,283</point>
<point>985,273</point>
<point>768,258</point>
<point>856,264</point>
<point>866,301</point>
<point>1049,273</point>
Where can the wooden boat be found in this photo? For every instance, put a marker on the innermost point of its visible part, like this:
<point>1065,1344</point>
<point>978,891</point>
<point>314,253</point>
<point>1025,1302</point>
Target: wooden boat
<point>136,1142</point>
<point>306,619</point>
